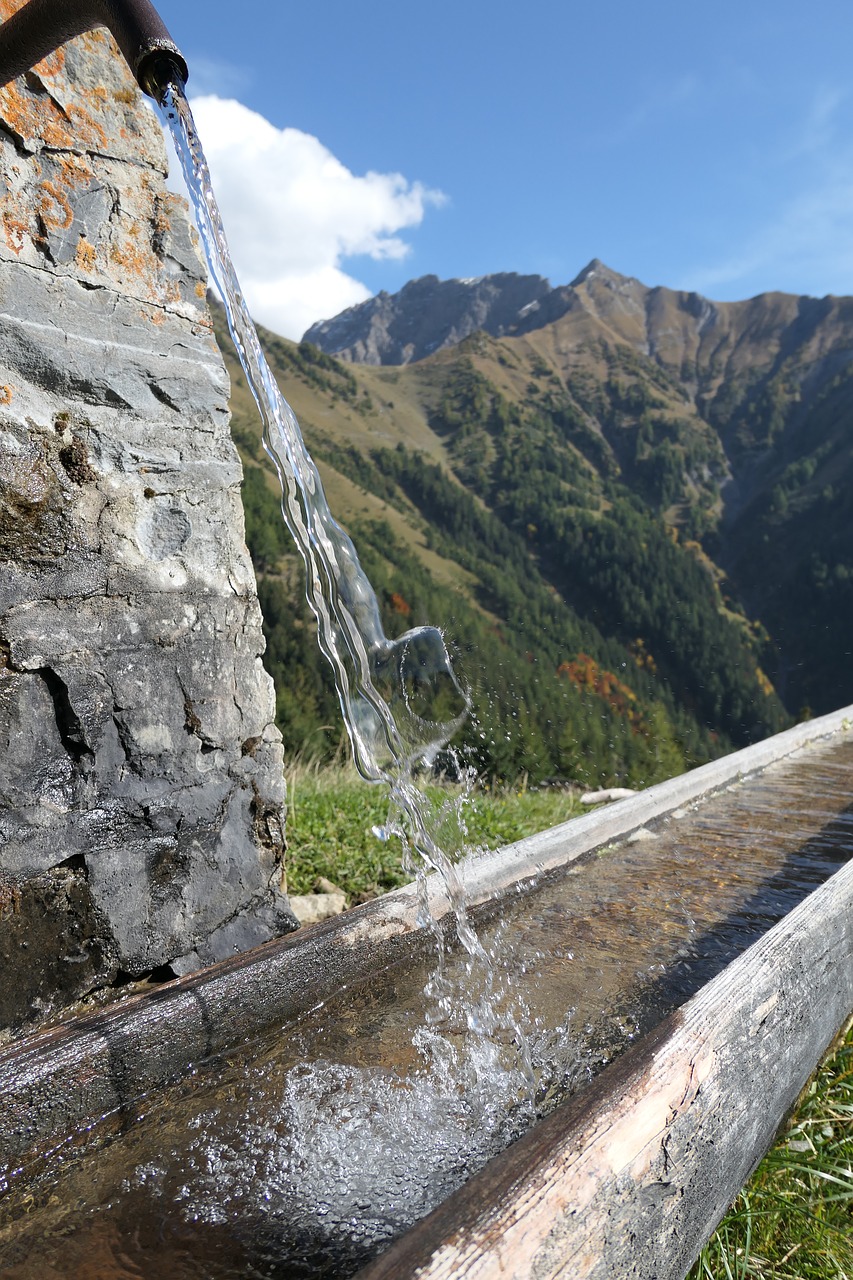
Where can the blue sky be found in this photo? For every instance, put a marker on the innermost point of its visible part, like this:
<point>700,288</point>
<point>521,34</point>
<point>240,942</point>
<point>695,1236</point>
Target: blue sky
<point>705,147</point>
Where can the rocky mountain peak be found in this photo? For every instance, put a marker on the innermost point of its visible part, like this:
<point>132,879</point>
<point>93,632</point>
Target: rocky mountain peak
<point>428,314</point>
<point>590,269</point>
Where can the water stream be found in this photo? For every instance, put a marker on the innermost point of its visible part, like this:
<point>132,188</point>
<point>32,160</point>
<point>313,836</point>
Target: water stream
<point>400,699</point>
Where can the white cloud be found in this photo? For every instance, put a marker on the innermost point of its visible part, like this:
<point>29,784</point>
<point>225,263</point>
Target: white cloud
<point>807,248</point>
<point>806,244</point>
<point>294,214</point>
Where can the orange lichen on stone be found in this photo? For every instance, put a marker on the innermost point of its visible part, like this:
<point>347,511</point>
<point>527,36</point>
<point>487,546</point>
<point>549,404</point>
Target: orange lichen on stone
<point>87,129</point>
<point>5,394</point>
<point>55,207</point>
<point>52,65</point>
<point>35,117</point>
<point>200,289</point>
<point>86,255</point>
<point>15,232</point>
<point>75,171</point>
<point>40,116</point>
<point>131,258</point>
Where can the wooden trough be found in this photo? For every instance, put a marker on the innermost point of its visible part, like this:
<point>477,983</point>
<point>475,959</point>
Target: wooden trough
<point>627,1178</point>
<point>630,1177</point>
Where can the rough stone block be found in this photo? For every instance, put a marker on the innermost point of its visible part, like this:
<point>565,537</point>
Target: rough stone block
<point>141,787</point>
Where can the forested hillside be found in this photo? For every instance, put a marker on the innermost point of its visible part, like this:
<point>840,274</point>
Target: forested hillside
<point>631,521</point>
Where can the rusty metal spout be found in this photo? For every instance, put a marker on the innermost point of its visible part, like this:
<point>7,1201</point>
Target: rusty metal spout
<point>43,25</point>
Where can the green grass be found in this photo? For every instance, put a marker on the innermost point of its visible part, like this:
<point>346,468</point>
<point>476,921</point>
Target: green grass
<point>794,1218</point>
<point>332,813</point>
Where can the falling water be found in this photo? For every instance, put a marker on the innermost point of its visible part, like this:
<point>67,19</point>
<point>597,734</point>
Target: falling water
<point>400,699</point>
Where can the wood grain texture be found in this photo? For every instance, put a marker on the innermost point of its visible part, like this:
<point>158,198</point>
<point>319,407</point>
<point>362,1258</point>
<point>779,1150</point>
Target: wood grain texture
<point>630,1178</point>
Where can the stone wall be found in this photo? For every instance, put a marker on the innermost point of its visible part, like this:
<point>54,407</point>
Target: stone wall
<point>141,788</point>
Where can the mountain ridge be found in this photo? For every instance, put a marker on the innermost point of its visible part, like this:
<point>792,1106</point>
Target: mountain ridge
<point>386,330</point>
<point>668,325</point>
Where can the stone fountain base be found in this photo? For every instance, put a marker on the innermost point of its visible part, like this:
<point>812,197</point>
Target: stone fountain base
<point>141,782</point>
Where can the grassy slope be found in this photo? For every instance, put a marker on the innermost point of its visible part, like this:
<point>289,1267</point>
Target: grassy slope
<point>362,408</point>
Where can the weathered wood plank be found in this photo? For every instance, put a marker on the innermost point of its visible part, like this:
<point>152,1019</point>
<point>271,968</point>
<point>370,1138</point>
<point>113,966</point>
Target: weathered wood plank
<point>630,1178</point>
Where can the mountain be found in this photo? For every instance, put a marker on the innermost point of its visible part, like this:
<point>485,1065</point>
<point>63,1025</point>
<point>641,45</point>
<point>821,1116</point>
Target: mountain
<point>629,506</point>
<point>429,314</point>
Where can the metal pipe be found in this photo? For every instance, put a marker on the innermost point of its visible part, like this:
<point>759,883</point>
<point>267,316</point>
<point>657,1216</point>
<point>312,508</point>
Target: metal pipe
<point>43,25</point>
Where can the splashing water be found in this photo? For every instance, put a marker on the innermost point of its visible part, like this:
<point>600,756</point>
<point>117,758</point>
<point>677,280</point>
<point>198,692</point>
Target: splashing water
<point>400,699</point>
